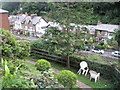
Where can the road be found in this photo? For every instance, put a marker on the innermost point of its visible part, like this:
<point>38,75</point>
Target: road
<point>106,54</point>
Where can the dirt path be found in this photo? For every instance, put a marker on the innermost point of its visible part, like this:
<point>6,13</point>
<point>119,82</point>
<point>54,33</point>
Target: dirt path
<point>79,83</point>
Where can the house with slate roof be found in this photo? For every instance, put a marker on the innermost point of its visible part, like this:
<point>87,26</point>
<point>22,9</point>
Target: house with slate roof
<point>34,25</point>
<point>105,31</point>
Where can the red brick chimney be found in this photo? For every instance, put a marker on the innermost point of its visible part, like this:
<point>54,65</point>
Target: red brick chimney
<point>99,22</point>
<point>4,22</point>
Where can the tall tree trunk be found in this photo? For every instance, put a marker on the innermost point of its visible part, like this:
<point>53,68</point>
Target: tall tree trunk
<point>68,62</point>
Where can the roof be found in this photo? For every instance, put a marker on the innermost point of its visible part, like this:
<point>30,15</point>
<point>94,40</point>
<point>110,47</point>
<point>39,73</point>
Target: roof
<point>107,27</point>
<point>35,20</point>
<point>26,19</point>
<point>3,11</point>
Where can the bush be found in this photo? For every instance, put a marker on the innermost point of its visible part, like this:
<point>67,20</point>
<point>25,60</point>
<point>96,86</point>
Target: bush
<point>25,48</point>
<point>47,80</point>
<point>43,65</point>
<point>99,46</point>
<point>14,81</point>
<point>67,78</point>
<point>37,44</point>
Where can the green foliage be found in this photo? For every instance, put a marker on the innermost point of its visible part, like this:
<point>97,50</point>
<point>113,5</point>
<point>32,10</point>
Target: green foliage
<point>11,47</point>
<point>40,8</point>
<point>78,56</point>
<point>13,81</point>
<point>11,77</point>
<point>63,42</point>
<point>100,46</point>
<point>108,11</point>
<point>47,80</point>
<point>118,65</point>
<point>72,13</point>
<point>38,44</point>
<point>95,57</point>
<point>11,6</point>
<point>67,78</point>
<point>25,48</point>
<point>112,42</point>
<point>12,67</point>
<point>85,12</point>
<point>117,36</point>
<point>43,65</point>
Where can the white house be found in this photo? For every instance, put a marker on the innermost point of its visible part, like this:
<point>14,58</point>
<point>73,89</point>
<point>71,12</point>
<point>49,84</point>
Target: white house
<point>33,24</point>
<point>105,30</point>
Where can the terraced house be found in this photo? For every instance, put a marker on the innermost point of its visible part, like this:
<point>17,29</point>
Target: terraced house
<point>105,31</point>
<point>33,25</point>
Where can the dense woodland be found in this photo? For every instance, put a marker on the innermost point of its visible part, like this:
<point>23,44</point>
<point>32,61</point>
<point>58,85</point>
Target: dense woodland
<point>82,12</point>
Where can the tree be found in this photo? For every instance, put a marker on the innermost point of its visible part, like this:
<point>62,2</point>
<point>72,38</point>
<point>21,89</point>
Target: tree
<point>11,6</point>
<point>117,36</point>
<point>108,12</point>
<point>64,14</point>
<point>39,8</point>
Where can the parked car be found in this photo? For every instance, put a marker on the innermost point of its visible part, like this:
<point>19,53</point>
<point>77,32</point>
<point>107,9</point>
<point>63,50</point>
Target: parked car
<point>95,50</point>
<point>116,54</point>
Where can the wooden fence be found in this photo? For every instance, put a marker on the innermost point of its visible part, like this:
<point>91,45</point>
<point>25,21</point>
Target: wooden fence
<point>42,54</point>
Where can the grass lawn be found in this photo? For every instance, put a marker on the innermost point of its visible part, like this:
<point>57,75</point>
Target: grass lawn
<point>102,83</point>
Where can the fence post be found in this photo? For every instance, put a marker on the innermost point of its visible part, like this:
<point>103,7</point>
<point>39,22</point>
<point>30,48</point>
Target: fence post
<point>68,61</point>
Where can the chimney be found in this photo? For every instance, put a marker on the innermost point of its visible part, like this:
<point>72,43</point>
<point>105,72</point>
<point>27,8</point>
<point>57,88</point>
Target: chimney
<point>26,14</point>
<point>33,15</point>
<point>99,22</point>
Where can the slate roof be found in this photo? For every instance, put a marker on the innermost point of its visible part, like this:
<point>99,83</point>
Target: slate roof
<point>35,20</point>
<point>107,27</point>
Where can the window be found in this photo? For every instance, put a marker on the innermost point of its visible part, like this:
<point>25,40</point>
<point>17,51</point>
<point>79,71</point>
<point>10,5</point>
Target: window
<point>43,27</point>
<point>26,27</point>
<point>110,34</point>
<point>39,28</point>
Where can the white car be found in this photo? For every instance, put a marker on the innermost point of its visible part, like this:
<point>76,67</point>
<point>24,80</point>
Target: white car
<point>116,53</point>
<point>95,50</point>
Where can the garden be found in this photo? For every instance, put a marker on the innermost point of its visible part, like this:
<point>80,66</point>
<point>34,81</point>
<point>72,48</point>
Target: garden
<point>34,64</point>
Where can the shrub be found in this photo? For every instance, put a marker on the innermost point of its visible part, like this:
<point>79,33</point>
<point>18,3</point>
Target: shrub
<point>14,81</point>
<point>47,80</point>
<point>99,46</point>
<point>43,65</point>
<point>25,48</point>
<point>37,44</point>
<point>67,78</point>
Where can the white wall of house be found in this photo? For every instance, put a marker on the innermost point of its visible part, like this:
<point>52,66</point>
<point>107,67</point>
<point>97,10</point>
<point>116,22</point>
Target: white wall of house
<point>41,26</point>
<point>17,25</point>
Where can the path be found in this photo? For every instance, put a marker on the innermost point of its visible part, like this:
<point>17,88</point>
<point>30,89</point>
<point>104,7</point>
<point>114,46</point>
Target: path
<point>79,83</point>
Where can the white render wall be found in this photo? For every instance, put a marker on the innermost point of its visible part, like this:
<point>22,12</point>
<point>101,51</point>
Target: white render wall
<point>41,24</point>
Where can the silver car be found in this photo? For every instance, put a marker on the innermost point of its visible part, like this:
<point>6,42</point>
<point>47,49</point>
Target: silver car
<point>95,50</point>
<point>116,54</point>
